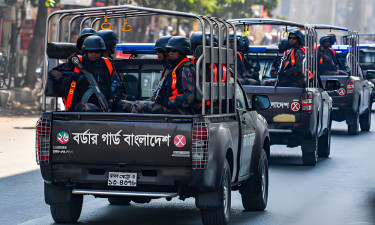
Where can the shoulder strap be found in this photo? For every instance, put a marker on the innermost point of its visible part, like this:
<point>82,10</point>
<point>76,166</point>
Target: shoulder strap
<point>333,51</point>
<point>240,55</point>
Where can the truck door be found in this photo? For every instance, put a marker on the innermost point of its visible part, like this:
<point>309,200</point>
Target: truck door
<point>247,120</point>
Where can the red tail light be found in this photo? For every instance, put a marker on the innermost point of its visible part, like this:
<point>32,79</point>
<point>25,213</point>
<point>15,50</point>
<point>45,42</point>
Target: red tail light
<point>307,102</point>
<point>42,145</point>
<point>350,87</point>
<point>200,146</point>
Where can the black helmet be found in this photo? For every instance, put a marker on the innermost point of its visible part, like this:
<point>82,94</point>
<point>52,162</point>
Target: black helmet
<point>161,43</point>
<point>83,34</point>
<point>284,44</point>
<point>179,43</point>
<point>333,38</point>
<point>196,40</point>
<point>300,35</point>
<point>93,42</point>
<point>109,37</point>
<point>322,39</point>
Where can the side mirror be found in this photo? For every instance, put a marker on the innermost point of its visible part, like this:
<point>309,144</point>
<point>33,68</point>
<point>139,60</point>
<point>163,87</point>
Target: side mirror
<point>332,85</point>
<point>370,74</point>
<point>260,102</point>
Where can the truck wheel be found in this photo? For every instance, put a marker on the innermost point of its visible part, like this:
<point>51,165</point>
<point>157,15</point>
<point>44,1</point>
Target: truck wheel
<point>324,143</point>
<point>67,212</point>
<point>119,200</point>
<point>220,216</point>
<point>353,129</point>
<point>254,192</point>
<point>309,151</point>
<point>365,120</point>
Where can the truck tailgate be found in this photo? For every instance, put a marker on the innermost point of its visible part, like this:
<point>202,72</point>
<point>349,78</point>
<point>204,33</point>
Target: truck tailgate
<point>341,78</point>
<point>146,143</point>
<point>285,103</point>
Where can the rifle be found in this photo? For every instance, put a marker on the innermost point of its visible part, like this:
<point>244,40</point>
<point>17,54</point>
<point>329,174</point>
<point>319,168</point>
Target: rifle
<point>160,86</point>
<point>93,85</point>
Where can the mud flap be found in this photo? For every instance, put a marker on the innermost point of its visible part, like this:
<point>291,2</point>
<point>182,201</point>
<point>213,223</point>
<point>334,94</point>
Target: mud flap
<point>209,200</point>
<point>57,195</point>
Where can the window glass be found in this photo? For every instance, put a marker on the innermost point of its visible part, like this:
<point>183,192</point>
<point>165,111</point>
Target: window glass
<point>241,103</point>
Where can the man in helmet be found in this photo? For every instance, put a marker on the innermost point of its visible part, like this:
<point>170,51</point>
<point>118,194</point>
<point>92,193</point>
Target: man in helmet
<point>333,38</point>
<point>71,84</point>
<point>197,50</point>
<point>177,90</point>
<point>328,64</point>
<point>247,74</point>
<point>83,35</point>
<point>110,41</point>
<point>271,79</point>
<point>291,74</point>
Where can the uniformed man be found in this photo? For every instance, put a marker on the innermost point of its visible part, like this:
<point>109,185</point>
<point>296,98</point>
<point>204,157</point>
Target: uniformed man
<point>163,56</point>
<point>328,64</point>
<point>110,41</point>
<point>71,84</point>
<point>291,74</point>
<point>82,36</point>
<point>246,73</point>
<point>276,65</point>
<point>177,90</point>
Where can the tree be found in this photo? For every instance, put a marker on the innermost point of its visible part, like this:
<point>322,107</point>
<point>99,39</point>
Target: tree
<point>36,46</point>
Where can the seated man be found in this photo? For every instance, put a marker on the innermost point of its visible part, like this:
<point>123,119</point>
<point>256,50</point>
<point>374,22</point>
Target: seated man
<point>177,90</point>
<point>70,83</point>
<point>291,74</point>
<point>245,71</point>
<point>328,64</point>
<point>277,63</point>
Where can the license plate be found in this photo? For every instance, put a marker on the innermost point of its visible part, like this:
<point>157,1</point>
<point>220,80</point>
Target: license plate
<point>122,179</point>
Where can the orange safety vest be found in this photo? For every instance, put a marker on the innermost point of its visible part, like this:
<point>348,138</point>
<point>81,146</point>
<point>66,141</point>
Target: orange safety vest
<point>293,59</point>
<point>239,54</point>
<point>73,84</point>
<point>174,79</point>
<point>321,58</point>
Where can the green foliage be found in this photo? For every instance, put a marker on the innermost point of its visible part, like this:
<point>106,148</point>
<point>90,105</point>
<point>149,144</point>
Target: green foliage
<point>219,8</point>
<point>52,3</point>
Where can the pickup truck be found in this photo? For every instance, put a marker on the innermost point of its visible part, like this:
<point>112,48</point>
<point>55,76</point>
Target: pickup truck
<point>298,116</point>
<point>352,102</point>
<point>139,157</point>
<point>367,63</point>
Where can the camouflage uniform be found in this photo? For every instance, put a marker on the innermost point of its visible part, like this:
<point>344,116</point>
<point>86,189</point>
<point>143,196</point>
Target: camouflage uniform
<point>109,84</point>
<point>292,75</point>
<point>180,104</point>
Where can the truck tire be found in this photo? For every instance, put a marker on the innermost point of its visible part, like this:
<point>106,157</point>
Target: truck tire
<point>254,192</point>
<point>119,200</point>
<point>324,143</point>
<point>353,129</point>
<point>220,216</point>
<point>365,120</point>
<point>310,151</point>
<point>67,212</point>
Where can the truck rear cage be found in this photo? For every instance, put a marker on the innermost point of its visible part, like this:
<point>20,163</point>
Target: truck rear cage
<point>221,97</point>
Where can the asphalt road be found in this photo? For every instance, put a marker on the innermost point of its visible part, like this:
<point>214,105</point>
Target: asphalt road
<point>339,190</point>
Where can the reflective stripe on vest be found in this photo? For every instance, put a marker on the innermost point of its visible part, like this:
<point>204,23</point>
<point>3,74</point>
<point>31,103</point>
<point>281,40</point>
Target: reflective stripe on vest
<point>293,57</point>
<point>73,84</point>
<point>174,79</point>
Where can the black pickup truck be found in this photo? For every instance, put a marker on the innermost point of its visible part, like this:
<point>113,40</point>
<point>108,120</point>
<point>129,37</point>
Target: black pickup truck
<point>139,157</point>
<point>297,116</point>
<point>367,63</point>
<point>353,99</point>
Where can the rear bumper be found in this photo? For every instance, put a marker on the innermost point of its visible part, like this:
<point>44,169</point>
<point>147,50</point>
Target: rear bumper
<point>151,180</point>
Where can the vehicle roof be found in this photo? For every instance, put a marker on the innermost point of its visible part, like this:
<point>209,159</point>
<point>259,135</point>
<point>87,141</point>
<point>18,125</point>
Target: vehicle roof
<point>264,21</point>
<point>324,27</point>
